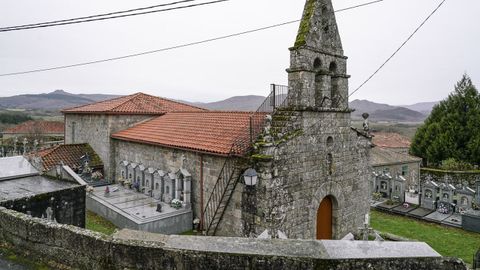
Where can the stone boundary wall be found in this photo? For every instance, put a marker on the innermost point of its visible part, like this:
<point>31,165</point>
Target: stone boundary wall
<point>81,249</point>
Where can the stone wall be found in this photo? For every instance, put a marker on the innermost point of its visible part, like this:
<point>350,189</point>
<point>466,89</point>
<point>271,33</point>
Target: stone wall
<point>454,178</point>
<point>171,160</point>
<point>96,129</point>
<point>67,206</point>
<point>318,156</point>
<point>77,248</point>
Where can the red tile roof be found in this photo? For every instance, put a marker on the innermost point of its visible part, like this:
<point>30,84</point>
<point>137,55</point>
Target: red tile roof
<point>37,127</point>
<point>70,155</point>
<point>138,103</point>
<point>211,132</point>
<point>390,140</point>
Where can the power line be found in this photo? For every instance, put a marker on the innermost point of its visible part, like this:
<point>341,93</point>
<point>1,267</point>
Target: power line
<point>399,48</point>
<point>96,16</point>
<point>164,49</point>
<point>72,21</point>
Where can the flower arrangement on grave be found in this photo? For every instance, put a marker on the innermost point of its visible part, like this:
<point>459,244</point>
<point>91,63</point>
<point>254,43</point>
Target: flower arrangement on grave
<point>377,196</point>
<point>443,209</point>
<point>97,175</point>
<point>176,203</point>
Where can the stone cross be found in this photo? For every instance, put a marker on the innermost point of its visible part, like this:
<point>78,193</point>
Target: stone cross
<point>25,141</point>
<point>15,140</point>
<point>366,127</point>
<point>366,229</point>
<point>35,144</point>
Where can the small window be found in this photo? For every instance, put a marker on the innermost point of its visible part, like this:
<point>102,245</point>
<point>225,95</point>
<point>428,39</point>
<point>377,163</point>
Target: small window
<point>317,64</point>
<point>428,194</point>
<point>157,186</point>
<point>129,176</point>
<point>123,174</point>
<point>147,183</point>
<point>330,164</point>
<point>168,189</point>
<point>405,170</point>
<point>464,201</point>
<point>329,141</point>
<point>445,196</point>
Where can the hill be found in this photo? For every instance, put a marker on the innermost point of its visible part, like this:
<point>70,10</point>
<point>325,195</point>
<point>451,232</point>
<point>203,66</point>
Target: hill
<point>55,100</point>
<point>385,112</point>
<point>237,103</point>
<point>423,107</point>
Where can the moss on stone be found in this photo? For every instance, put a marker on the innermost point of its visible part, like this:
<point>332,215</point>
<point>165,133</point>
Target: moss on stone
<point>261,157</point>
<point>305,24</point>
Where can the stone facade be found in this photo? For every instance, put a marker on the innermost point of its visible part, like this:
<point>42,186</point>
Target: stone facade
<point>171,160</point>
<point>310,153</point>
<point>95,129</point>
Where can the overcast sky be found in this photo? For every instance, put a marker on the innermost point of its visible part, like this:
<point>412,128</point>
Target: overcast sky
<point>425,70</point>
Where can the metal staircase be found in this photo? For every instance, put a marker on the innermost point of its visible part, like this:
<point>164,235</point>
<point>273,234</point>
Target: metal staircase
<point>231,172</point>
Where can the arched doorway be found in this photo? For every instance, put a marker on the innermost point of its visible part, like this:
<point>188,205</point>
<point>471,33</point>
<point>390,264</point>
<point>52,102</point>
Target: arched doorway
<point>324,219</point>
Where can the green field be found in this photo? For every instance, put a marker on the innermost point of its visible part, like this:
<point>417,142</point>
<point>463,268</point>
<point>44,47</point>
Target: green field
<point>98,224</point>
<point>448,241</point>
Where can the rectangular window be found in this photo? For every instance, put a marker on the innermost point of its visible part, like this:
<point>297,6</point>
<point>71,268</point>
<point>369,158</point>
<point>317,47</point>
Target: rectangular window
<point>405,170</point>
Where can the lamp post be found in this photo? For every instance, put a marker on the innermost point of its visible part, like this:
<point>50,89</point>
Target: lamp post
<point>250,178</point>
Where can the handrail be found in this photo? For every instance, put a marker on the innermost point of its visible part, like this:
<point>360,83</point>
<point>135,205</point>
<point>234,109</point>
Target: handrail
<point>277,98</point>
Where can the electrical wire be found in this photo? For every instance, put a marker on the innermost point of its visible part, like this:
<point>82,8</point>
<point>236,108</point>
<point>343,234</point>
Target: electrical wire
<point>399,48</point>
<point>167,48</point>
<point>97,15</point>
<point>111,17</point>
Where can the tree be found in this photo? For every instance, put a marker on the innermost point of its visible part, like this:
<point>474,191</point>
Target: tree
<point>452,131</point>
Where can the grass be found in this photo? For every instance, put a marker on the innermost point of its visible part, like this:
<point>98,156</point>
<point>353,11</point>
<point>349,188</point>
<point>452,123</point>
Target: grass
<point>448,241</point>
<point>99,224</point>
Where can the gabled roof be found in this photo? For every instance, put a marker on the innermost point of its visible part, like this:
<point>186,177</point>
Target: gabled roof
<point>138,103</point>
<point>37,127</point>
<point>380,156</point>
<point>70,155</point>
<point>210,132</point>
<point>390,140</point>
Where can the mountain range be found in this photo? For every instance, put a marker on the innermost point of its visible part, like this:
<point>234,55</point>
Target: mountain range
<point>60,99</point>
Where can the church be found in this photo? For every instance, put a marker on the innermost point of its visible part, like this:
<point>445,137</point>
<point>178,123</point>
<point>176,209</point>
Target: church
<point>307,167</point>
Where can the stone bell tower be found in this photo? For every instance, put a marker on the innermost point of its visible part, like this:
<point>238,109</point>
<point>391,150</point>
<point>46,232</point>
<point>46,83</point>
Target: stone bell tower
<point>317,73</point>
<point>313,167</point>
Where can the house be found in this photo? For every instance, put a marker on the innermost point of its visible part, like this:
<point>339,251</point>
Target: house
<point>308,168</point>
<point>397,165</point>
<point>45,130</point>
<point>392,141</point>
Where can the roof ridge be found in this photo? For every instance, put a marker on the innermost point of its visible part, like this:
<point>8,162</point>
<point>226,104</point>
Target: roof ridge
<point>127,100</point>
<point>84,105</point>
<point>178,102</point>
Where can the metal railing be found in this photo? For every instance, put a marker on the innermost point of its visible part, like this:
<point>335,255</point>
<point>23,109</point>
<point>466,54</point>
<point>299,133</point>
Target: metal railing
<point>228,178</point>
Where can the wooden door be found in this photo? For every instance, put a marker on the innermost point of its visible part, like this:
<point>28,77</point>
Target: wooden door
<point>324,219</point>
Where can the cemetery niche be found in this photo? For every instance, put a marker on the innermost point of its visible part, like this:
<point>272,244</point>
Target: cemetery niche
<point>146,198</point>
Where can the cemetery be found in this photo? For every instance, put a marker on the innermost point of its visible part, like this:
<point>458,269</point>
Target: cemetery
<point>438,202</point>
